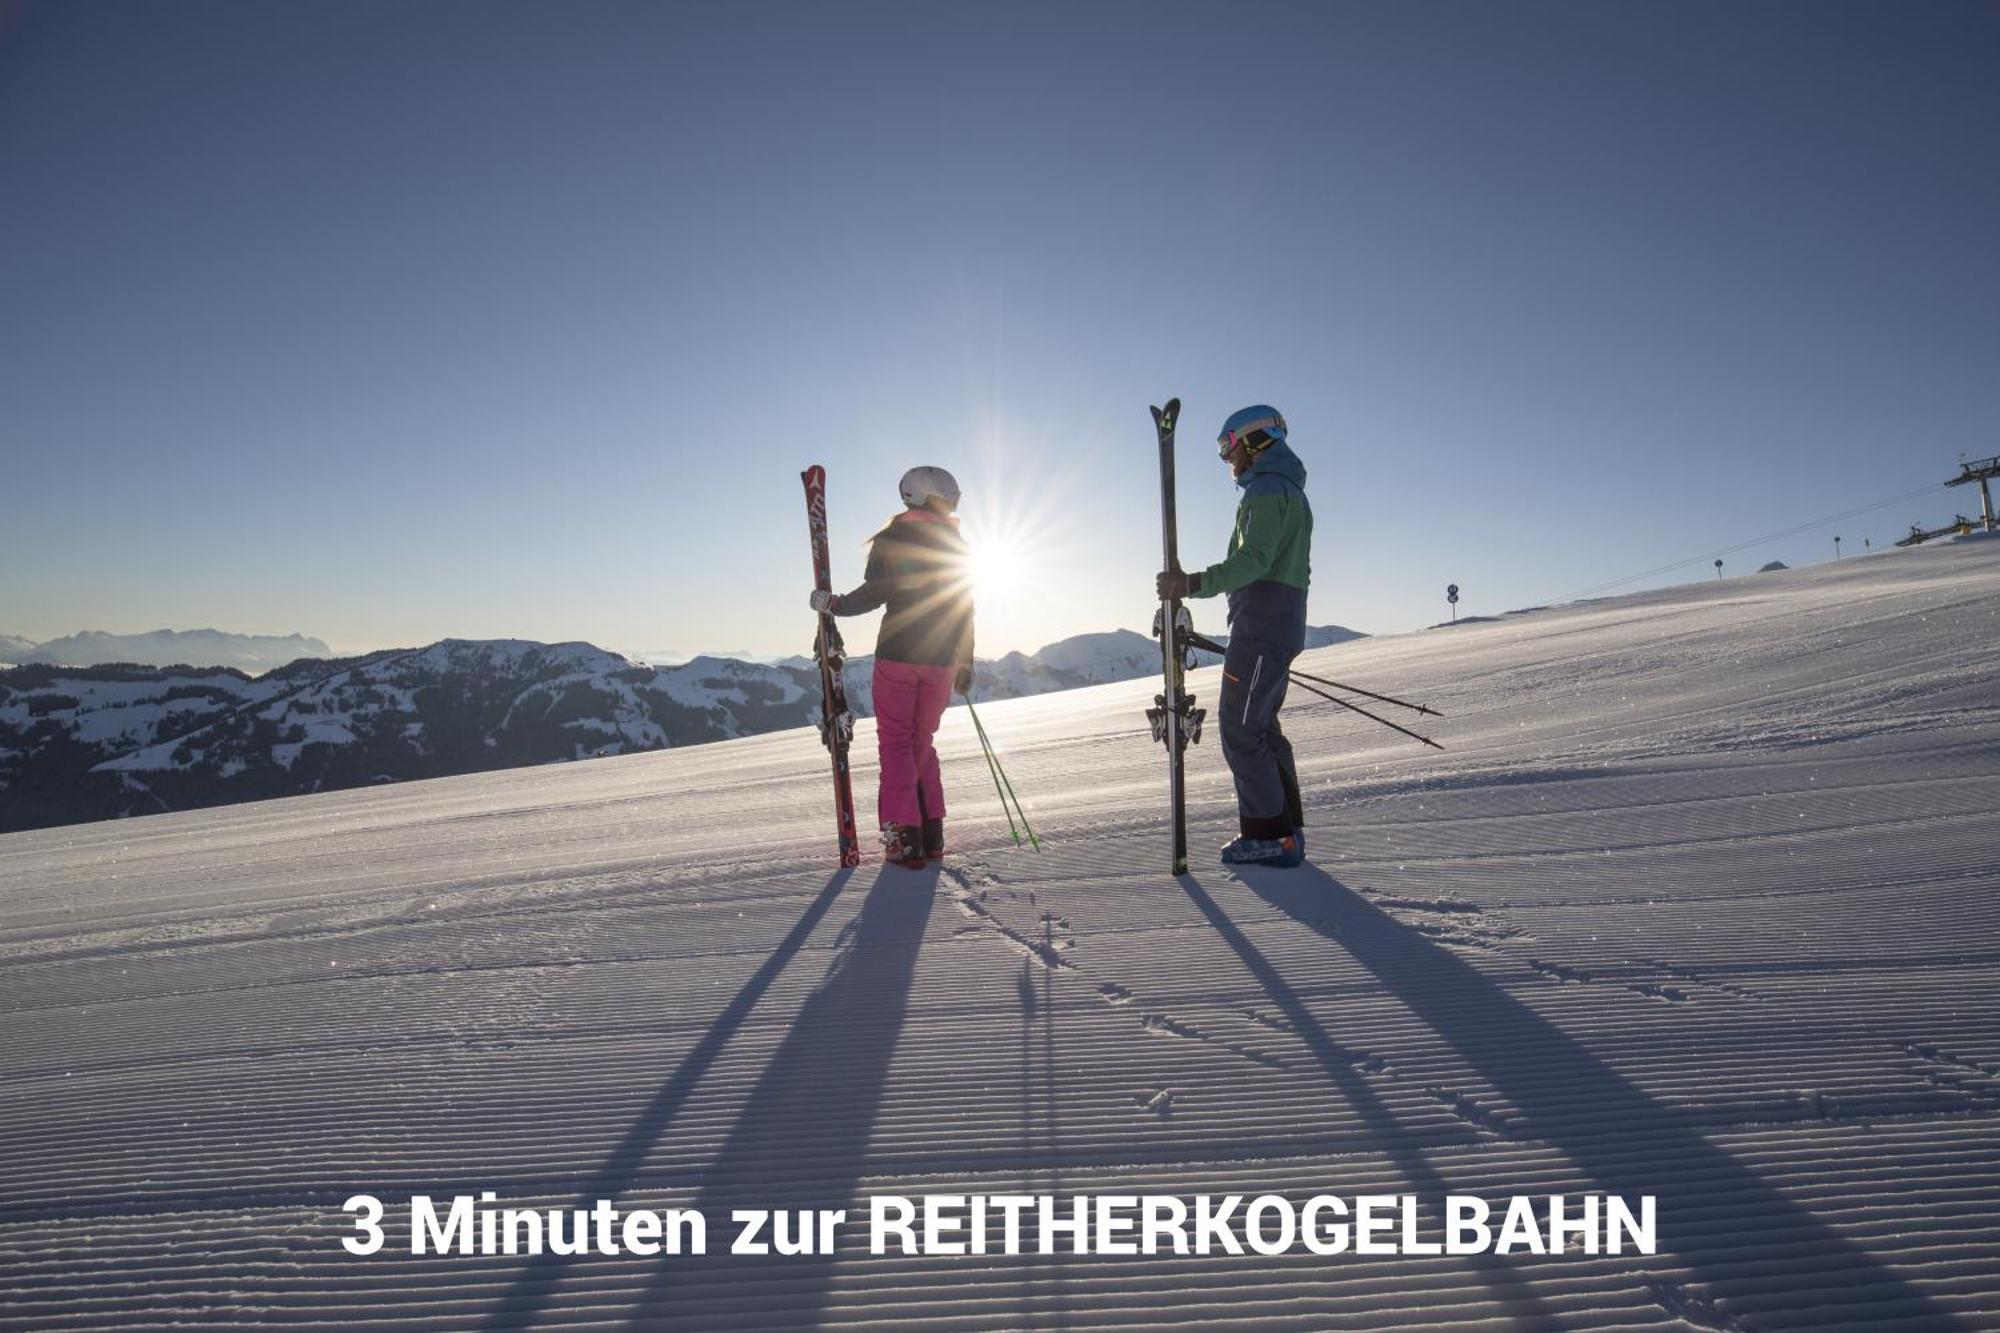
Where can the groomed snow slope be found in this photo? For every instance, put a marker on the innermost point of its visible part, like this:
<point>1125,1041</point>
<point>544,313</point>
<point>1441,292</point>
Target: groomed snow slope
<point>1701,903</point>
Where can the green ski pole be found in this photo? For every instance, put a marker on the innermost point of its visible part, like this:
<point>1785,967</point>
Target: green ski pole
<point>1001,778</point>
<point>994,769</point>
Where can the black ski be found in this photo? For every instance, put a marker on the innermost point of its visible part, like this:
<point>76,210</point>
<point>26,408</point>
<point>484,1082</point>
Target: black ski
<point>836,723</point>
<point>1176,721</point>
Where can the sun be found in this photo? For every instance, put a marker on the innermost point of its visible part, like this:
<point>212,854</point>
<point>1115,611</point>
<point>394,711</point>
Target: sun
<point>1013,551</point>
<point>996,566</point>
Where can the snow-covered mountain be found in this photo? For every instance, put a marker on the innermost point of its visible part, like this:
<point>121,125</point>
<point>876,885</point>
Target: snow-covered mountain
<point>1083,659</point>
<point>14,648</point>
<point>254,653</point>
<point>1326,636</point>
<point>1098,658</point>
<point>681,657</point>
<point>87,743</point>
<point>82,743</point>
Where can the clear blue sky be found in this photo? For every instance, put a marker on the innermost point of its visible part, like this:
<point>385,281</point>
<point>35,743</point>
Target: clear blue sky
<point>383,322</point>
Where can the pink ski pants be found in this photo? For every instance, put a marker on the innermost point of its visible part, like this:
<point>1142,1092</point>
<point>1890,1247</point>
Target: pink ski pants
<point>909,701</point>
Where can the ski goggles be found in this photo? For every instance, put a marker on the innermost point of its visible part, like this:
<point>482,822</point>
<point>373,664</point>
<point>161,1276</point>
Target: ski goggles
<point>1229,439</point>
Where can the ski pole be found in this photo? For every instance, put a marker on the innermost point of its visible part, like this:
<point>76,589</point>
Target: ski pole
<point>1001,778</point>
<point>1365,713</point>
<point>1019,809</point>
<point>1366,694</point>
<point>1207,644</point>
<point>999,789</point>
<point>995,769</point>
<point>1000,771</point>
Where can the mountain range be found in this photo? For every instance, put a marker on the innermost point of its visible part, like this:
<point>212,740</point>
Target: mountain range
<point>106,741</point>
<point>254,653</point>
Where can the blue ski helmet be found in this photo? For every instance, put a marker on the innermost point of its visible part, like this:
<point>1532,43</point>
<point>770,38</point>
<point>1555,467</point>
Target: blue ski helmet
<point>1254,427</point>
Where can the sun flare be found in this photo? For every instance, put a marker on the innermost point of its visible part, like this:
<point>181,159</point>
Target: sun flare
<point>1014,555</point>
<point>995,566</point>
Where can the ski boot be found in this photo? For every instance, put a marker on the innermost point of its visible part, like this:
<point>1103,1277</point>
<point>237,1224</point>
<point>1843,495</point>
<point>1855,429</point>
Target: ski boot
<point>1284,852</point>
<point>934,839</point>
<point>903,845</point>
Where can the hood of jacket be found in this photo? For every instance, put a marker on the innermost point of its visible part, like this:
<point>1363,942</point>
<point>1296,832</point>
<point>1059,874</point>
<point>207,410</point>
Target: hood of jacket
<point>921,515</point>
<point>1276,465</point>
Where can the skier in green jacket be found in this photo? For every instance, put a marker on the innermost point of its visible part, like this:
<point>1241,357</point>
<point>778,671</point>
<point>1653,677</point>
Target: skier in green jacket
<point>1266,575</point>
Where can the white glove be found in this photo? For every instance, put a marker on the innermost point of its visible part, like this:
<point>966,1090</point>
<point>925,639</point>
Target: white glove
<point>822,600</point>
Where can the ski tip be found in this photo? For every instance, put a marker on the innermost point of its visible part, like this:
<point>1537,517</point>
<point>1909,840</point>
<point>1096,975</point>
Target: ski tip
<point>1164,416</point>
<point>813,473</point>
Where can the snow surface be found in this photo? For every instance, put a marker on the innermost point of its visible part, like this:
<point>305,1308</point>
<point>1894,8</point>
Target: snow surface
<point>1701,902</point>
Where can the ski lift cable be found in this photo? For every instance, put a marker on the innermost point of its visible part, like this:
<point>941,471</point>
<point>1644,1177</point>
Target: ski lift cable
<point>1754,541</point>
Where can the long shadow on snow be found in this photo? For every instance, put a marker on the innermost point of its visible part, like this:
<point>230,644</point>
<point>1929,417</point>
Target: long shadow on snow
<point>1745,1242</point>
<point>1343,1067</point>
<point>533,1289</point>
<point>1043,1304</point>
<point>801,1140</point>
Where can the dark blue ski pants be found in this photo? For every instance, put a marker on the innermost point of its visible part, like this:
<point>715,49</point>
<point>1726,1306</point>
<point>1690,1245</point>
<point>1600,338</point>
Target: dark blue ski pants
<point>1254,677</point>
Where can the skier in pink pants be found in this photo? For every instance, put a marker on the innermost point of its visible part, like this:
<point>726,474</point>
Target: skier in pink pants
<point>917,570</point>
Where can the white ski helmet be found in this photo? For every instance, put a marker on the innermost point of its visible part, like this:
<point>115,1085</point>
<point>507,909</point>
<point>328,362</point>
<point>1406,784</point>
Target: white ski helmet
<point>921,483</point>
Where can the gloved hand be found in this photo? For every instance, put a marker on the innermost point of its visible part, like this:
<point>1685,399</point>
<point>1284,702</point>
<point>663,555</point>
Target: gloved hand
<point>1176,583</point>
<point>963,681</point>
<point>822,600</point>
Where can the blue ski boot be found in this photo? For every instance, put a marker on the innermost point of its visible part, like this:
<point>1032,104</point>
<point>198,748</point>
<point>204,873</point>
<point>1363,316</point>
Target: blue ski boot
<point>1283,852</point>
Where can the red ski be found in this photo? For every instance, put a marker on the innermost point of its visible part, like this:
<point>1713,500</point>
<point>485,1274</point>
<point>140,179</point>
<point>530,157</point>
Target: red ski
<point>836,723</point>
